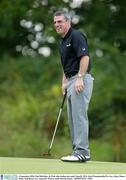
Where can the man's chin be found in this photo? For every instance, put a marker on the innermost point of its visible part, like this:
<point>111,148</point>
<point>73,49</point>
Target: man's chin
<point>59,32</point>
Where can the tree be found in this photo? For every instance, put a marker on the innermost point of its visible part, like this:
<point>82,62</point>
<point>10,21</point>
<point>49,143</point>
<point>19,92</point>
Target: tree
<point>11,33</point>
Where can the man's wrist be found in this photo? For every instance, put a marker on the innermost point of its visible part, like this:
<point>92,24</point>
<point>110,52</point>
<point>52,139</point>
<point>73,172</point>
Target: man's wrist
<point>80,75</point>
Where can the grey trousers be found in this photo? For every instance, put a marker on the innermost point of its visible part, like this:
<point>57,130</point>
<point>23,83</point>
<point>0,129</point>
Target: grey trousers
<point>77,107</point>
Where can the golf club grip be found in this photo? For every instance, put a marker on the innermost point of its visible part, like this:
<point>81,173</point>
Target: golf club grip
<point>64,97</point>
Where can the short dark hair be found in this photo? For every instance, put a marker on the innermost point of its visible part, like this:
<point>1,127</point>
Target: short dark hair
<point>64,13</point>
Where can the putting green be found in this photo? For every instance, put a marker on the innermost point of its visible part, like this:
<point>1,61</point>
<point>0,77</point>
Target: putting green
<point>55,166</point>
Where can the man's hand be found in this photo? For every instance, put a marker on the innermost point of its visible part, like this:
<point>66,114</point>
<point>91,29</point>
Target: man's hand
<point>79,85</point>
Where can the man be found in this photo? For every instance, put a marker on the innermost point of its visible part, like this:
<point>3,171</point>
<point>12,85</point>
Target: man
<point>77,82</point>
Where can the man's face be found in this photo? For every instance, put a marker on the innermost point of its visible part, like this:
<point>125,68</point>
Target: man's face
<point>61,25</point>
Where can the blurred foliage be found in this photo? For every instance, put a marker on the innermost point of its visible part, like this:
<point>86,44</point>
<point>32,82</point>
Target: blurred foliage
<point>100,20</point>
<point>30,92</point>
<point>28,106</point>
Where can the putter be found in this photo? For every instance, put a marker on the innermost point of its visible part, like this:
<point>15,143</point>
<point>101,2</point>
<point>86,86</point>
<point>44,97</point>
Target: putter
<point>48,153</point>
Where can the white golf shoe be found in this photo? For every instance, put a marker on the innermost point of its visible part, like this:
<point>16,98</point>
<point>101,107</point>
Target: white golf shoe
<point>75,158</point>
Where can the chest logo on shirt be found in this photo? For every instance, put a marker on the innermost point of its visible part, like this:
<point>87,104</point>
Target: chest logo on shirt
<point>68,45</point>
<point>83,49</point>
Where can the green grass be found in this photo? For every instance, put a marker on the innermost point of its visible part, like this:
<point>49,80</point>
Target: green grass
<point>55,166</point>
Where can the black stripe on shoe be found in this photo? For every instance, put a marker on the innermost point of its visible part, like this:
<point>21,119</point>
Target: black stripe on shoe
<point>80,157</point>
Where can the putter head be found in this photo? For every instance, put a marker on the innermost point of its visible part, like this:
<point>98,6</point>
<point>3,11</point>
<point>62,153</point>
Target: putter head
<point>47,154</point>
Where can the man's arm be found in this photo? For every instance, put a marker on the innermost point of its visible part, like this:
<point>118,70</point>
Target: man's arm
<point>64,84</point>
<point>79,84</point>
<point>84,61</point>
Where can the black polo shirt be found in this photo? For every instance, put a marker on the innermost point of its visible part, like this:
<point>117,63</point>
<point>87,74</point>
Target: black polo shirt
<point>73,46</point>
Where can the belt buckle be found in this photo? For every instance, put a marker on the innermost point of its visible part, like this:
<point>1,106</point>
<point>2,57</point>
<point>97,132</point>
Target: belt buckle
<point>70,76</point>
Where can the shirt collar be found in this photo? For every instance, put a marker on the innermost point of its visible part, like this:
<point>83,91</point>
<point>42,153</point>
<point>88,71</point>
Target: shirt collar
<point>68,34</point>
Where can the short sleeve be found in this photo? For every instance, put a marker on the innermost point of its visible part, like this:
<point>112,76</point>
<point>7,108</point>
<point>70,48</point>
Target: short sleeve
<point>80,46</point>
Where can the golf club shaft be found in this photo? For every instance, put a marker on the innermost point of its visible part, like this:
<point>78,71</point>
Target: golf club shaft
<point>55,129</point>
<point>57,122</point>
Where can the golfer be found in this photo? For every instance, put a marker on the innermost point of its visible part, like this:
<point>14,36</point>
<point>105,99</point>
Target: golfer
<point>78,83</point>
